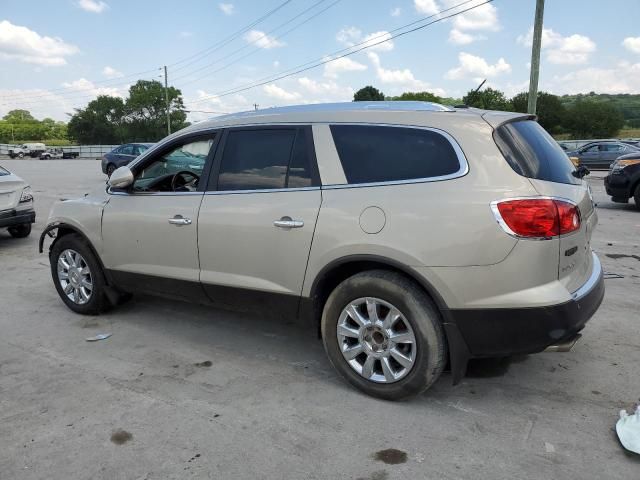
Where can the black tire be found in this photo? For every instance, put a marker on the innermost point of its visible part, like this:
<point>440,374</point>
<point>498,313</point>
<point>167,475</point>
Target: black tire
<point>636,196</point>
<point>98,301</point>
<point>110,169</point>
<point>20,231</point>
<point>418,310</point>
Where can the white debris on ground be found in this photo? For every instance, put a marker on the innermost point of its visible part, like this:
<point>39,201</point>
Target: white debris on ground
<point>628,429</point>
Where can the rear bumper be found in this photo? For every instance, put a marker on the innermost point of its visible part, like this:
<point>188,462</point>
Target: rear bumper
<point>10,218</point>
<point>511,331</point>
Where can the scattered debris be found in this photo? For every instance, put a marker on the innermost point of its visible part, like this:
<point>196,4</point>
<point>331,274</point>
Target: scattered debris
<point>549,447</point>
<point>609,275</point>
<point>206,363</point>
<point>622,255</point>
<point>391,456</point>
<point>120,437</point>
<point>628,430</point>
<point>100,336</point>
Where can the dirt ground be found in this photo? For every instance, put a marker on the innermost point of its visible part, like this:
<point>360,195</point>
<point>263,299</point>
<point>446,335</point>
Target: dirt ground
<point>184,391</point>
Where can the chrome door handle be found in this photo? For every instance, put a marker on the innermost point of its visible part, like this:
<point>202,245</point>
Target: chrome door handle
<point>179,220</point>
<point>288,222</point>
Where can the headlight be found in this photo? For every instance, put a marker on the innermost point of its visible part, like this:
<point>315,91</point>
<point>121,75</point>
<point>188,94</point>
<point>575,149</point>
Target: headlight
<point>620,164</point>
<point>27,195</point>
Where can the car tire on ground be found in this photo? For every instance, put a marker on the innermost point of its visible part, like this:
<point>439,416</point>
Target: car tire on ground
<point>396,328</point>
<point>110,169</point>
<point>21,155</point>
<point>20,231</point>
<point>636,196</point>
<point>78,276</point>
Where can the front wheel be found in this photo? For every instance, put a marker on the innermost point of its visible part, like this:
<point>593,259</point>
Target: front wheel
<point>384,335</point>
<point>20,231</point>
<point>78,276</point>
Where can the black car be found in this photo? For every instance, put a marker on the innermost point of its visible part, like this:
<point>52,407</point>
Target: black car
<point>623,181</point>
<point>122,155</point>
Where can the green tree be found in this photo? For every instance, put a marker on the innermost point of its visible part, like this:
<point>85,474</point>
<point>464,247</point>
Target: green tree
<point>368,94</point>
<point>418,96</point>
<point>550,111</point>
<point>19,116</point>
<point>146,111</point>
<point>100,122</point>
<point>589,119</point>
<point>488,99</point>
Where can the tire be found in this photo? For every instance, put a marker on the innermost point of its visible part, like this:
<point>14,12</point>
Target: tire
<point>20,231</point>
<point>388,290</point>
<point>97,301</point>
<point>636,196</point>
<point>110,169</point>
<point>21,155</point>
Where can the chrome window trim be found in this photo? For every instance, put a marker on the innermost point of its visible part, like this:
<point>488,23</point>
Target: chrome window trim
<point>596,272</point>
<point>261,190</point>
<point>462,159</point>
<point>507,229</point>
<point>151,194</point>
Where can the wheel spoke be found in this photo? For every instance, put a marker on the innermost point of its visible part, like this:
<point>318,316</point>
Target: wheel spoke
<point>68,288</point>
<point>63,262</point>
<point>353,352</point>
<point>391,318</point>
<point>76,295</point>
<point>367,368</point>
<point>62,275</point>
<point>355,315</point>
<point>404,337</point>
<point>85,270</point>
<point>386,369</point>
<point>347,332</point>
<point>400,358</point>
<point>70,260</point>
<point>372,310</point>
<point>84,295</point>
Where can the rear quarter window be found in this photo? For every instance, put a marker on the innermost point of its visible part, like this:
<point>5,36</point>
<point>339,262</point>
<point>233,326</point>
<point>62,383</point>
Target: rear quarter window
<point>533,153</point>
<point>373,153</point>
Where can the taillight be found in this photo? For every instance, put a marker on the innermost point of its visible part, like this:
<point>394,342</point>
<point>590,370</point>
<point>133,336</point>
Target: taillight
<point>537,217</point>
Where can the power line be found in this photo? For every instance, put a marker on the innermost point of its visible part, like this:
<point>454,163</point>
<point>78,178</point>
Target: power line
<point>367,45</point>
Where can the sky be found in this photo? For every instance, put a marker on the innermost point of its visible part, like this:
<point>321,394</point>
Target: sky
<point>57,55</point>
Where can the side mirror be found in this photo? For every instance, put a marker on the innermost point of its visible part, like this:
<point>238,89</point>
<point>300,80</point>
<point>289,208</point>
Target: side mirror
<point>121,178</point>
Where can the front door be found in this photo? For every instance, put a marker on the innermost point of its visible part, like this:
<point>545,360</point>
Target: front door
<point>257,218</point>
<point>150,230</point>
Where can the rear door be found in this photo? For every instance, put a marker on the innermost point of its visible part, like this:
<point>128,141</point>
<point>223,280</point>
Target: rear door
<point>258,216</point>
<point>590,155</point>
<point>532,152</point>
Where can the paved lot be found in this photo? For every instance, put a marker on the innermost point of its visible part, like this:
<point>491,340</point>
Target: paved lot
<point>211,394</point>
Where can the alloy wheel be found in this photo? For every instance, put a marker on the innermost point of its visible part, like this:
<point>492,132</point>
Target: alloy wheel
<point>74,276</point>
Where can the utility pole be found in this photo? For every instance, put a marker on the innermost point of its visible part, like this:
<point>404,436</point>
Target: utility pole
<point>166,97</point>
<point>535,58</point>
<point>255,106</point>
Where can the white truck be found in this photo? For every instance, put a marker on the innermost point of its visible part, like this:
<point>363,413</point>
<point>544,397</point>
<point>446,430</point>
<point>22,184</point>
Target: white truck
<point>32,149</point>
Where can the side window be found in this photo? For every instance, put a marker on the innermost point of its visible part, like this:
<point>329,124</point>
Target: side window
<point>136,150</point>
<point>261,159</point>
<point>126,150</point>
<point>592,149</point>
<point>381,154</point>
<point>187,160</point>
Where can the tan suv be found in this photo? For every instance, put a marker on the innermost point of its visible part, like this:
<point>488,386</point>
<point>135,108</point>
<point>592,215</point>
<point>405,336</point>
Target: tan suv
<point>411,235</point>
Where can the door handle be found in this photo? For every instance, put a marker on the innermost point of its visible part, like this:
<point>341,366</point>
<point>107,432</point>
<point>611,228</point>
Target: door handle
<point>288,222</point>
<point>179,220</point>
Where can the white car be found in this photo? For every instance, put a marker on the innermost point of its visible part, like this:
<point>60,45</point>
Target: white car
<point>16,204</point>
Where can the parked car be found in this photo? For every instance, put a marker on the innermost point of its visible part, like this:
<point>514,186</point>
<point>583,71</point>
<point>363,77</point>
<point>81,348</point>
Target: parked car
<point>51,153</point>
<point>122,155</point>
<point>16,204</point>
<point>623,180</point>
<point>601,154</point>
<point>409,234</point>
<point>27,149</point>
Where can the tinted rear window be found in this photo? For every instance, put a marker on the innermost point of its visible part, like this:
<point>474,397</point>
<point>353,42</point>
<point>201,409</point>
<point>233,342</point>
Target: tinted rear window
<point>533,153</point>
<point>381,154</point>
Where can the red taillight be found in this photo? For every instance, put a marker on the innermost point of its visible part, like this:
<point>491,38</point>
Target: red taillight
<point>537,217</point>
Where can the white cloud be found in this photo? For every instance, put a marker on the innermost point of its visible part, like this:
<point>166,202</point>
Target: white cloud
<point>20,43</point>
<point>623,78</point>
<point>262,40</point>
<point>227,8</point>
<point>351,36</point>
<point>572,50</point>
<point>483,18</point>
<point>344,64</point>
<point>396,12</point>
<point>632,44</point>
<point>111,72</point>
<point>88,88</point>
<point>93,6</point>
<point>402,78</point>
<point>327,91</point>
<point>458,37</point>
<point>274,91</point>
<point>426,7</point>
<point>477,67</point>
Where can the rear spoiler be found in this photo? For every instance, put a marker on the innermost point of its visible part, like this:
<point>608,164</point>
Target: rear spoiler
<point>495,118</point>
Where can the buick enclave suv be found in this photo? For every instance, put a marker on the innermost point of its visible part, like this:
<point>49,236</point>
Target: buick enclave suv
<point>408,234</point>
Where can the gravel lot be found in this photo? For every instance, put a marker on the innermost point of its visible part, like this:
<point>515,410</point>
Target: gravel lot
<point>183,391</point>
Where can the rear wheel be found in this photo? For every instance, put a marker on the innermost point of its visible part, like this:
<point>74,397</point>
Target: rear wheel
<point>636,196</point>
<point>78,276</point>
<point>110,169</point>
<point>20,231</point>
<point>384,335</point>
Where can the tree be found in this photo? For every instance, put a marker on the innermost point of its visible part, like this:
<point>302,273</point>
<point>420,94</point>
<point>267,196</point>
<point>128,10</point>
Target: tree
<point>368,94</point>
<point>550,111</point>
<point>19,116</point>
<point>146,111</point>
<point>588,119</point>
<point>100,122</point>
<point>488,99</point>
<point>418,96</point>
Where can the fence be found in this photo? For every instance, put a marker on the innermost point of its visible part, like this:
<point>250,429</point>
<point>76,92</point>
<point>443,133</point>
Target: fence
<point>84,151</point>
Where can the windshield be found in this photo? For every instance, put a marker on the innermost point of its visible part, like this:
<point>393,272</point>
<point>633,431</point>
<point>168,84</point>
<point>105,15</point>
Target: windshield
<point>533,153</point>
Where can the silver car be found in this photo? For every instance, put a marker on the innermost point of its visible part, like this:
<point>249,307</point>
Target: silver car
<point>408,234</point>
<point>16,204</point>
